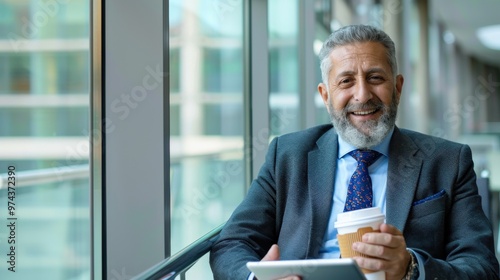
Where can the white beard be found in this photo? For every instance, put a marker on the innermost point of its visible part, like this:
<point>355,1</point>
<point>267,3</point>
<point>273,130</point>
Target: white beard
<point>377,129</point>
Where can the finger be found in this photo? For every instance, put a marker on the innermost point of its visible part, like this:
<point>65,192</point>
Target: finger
<point>376,251</point>
<point>383,246</point>
<point>387,228</point>
<point>383,239</point>
<point>388,236</point>
<point>393,261</point>
<point>369,263</point>
<point>395,266</point>
<point>273,254</point>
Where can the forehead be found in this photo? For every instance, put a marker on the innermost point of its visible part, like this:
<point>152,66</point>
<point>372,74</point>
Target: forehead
<point>364,56</point>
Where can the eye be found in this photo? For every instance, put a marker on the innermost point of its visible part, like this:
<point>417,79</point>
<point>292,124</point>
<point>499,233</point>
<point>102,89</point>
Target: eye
<point>376,79</point>
<point>345,81</point>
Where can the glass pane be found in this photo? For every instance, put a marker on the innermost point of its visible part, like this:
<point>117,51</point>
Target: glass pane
<point>206,118</point>
<point>44,120</point>
<point>222,71</point>
<point>323,27</point>
<point>283,66</point>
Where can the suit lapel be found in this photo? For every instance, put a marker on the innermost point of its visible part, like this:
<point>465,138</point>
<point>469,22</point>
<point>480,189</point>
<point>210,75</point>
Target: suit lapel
<point>402,178</point>
<point>321,172</point>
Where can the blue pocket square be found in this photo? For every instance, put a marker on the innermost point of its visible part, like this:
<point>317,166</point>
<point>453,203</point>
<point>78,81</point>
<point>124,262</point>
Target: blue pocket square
<point>429,198</point>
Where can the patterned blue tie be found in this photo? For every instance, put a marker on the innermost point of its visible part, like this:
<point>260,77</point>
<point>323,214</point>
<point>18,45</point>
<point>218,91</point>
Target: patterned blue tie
<point>359,192</point>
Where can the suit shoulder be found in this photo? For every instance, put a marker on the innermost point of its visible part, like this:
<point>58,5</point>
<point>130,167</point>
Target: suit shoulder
<point>423,139</point>
<point>432,149</point>
<point>303,137</point>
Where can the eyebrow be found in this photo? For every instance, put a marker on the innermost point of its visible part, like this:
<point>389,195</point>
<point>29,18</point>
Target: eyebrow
<point>376,70</point>
<point>370,71</point>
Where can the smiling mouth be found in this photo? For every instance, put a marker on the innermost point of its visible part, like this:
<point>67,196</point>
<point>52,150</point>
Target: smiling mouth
<point>365,112</point>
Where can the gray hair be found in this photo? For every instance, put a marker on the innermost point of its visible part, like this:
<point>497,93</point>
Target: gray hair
<point>355,34</point>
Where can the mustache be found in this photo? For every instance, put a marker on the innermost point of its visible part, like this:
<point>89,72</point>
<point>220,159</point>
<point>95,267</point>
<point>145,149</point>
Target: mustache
<point>370,104</point>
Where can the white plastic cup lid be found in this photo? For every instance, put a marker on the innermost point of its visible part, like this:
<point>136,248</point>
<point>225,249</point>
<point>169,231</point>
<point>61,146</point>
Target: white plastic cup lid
<point>361,215</point>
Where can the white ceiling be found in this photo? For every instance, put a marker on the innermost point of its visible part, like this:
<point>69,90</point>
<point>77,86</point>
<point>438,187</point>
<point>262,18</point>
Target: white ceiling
<point>463,17</point>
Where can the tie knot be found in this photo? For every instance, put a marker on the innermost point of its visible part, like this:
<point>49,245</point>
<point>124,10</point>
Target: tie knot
<point>365,156</point>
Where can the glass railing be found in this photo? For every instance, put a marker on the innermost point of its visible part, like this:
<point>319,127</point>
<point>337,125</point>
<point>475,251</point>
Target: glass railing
<point>178,264</point>
<point>45,224</point>
<point>206,184</point>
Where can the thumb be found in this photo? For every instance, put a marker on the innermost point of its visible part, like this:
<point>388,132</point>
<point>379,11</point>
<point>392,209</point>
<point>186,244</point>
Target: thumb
<point>273,254</point>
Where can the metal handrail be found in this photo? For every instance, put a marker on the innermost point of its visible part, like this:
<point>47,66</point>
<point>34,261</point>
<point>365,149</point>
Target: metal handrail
<point>47,175</point>
<point>179,263</point>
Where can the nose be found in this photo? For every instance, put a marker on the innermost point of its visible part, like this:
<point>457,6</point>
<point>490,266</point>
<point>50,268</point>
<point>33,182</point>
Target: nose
<point>362,92</point>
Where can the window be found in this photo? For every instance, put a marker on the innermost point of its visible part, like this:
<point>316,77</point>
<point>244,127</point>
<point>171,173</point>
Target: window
<point>44,119</point>
<point>283,66</point>
<point>206,118</point>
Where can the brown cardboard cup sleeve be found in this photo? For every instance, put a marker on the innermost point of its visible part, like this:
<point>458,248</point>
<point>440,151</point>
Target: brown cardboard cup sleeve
<point>346,240</point>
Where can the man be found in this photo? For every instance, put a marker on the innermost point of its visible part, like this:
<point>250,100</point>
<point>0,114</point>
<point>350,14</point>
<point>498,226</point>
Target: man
<point>435,227</point>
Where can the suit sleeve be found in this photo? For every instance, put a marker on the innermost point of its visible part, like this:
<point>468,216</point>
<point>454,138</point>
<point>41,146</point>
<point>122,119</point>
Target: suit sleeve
<point>468,242</point>
<point>251,230</point>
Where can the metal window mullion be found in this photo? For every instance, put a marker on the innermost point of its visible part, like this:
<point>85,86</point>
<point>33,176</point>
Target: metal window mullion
<point>96,165</point>
<point>256,85</point>
<point>307,64</point>
<point>166,129</point>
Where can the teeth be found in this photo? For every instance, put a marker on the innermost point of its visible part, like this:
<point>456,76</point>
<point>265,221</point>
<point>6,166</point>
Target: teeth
<point>363,112</point>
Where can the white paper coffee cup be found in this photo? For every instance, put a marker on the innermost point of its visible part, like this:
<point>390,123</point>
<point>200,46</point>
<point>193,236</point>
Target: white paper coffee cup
<point>351,226</point>
<point>348,222</point>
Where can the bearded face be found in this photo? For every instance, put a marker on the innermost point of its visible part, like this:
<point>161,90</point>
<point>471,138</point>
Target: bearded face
<point>362,94</point>
<point>371,132</point>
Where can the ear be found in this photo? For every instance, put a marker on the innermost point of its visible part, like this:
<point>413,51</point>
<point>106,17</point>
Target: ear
<point>399,86</point>
<point>323,91</point>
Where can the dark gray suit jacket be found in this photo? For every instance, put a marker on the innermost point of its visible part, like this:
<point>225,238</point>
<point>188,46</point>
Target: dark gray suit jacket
<point>432,198</point>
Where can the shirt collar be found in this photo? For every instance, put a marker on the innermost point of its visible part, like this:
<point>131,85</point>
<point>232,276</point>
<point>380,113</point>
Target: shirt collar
<point>382,147</point>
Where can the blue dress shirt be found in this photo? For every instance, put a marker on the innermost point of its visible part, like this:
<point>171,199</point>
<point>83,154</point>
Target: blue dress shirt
<point>346,165</point>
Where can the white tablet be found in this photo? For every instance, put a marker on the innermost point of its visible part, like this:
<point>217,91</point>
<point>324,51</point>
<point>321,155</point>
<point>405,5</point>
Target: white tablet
<point>317,269</point>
